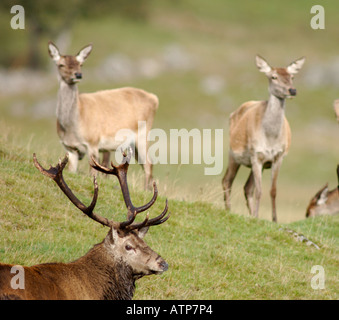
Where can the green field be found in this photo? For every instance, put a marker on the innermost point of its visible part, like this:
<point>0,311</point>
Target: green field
<point>212,255</point>
<point>198,58</point>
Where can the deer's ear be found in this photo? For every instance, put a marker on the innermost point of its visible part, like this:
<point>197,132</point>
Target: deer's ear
<point>84,53</point>
<point>262,64</point>
<point>53,51</point>
<point>323,195</point>
<point>114,235</point>
<point>142,232</point>
<point>296,65</point>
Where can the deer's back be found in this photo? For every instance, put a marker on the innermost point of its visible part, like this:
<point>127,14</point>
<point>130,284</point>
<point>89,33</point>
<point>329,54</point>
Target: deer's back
<point>104,113</point>
<point>119,103</point>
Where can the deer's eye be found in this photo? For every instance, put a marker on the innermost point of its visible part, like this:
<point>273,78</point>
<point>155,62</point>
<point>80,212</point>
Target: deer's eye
<point>274,77</point>
<point>128,247</point>
<point>61,65</point>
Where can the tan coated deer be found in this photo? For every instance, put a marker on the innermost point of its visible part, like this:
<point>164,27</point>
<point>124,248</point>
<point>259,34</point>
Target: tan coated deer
<point>324,201</point>
<point>260,135</point>
<point>109,270</point>
<point>89,122</point>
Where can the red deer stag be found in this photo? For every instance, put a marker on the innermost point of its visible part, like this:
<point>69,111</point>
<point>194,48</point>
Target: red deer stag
<point>91,122</point>
<point>260,135</point>
<point>109,270</point>
<point>324,201</point>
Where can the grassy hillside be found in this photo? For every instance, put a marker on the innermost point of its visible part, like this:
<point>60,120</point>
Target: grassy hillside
<point>198,57</point>
<point>212,255</point>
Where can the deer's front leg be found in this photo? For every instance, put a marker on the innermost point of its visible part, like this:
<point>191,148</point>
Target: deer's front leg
<point>73,159</point>
<point>275,170</point>
<point>257,172</point>
<point>93,153</point>
<point>249,190</point>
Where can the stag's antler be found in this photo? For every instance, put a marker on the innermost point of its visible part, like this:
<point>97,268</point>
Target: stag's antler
<point>55,173</point>
<point>121,173</point>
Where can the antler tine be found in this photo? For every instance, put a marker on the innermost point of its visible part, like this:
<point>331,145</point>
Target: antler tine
<point>153,222</point>
<point>55,173</point>
<point>121,167</point>
<point>120,172</point>
<point>159,219</point>
<point>129,226</point>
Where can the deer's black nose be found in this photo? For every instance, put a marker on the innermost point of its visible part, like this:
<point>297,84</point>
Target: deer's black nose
<point>292,91</point>
<point>163,265</point>
<point>78,75</point>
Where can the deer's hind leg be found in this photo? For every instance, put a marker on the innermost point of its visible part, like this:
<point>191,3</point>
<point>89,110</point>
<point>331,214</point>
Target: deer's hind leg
<point>228,179</point>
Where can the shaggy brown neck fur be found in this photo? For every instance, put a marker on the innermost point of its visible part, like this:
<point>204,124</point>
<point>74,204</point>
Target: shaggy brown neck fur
<point>111,278</point>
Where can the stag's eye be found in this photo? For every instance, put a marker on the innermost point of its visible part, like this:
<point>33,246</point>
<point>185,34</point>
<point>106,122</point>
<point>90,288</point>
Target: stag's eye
<point>274,77</point>
<point>128,247</point>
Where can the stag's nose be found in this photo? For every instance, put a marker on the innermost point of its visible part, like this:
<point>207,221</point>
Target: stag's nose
<point>78,75</point>
<point>292,91</point>
<point>163,265</point>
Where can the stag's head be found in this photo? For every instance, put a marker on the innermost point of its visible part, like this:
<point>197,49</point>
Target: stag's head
<point>69,67</point>
<point>124,241</point>
<point>129,248</point>
<point>280,79</point>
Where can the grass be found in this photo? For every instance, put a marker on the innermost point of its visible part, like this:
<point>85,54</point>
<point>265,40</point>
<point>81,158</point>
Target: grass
<point>212,255</point>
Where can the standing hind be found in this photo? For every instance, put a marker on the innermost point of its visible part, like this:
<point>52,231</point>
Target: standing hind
<point>260,136</point>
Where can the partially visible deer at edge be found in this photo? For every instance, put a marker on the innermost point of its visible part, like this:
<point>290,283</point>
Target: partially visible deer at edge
<point>88,122</point>
<point>336,108</point>
<point>260,135</point>
<point>109,270</point>
<point>324,201</point>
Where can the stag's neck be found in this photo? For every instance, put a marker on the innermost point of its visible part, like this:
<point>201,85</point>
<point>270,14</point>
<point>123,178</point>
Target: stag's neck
<point>111,278</point>
<point>67,106</point>
<point>274,116</point>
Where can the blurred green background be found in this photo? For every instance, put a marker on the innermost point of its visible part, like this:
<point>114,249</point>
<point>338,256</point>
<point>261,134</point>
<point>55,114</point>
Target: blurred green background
<point>198,58</point>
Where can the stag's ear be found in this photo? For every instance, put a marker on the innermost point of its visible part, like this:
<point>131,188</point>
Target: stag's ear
<point>142,232</point>
<point>84,53</point>
<point>113,235</point>
<point>53,51</point>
